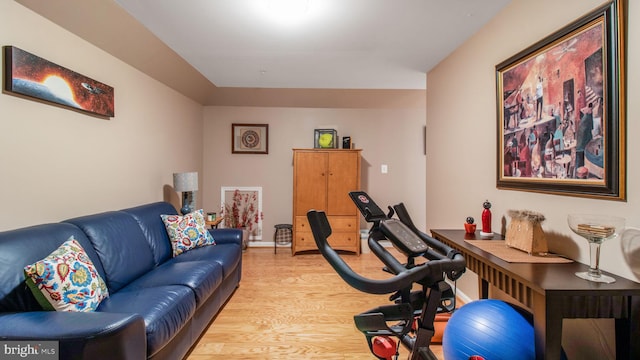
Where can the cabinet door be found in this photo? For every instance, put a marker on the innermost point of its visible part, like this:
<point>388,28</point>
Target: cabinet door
<point>310,181</point>
<point>343,177</point>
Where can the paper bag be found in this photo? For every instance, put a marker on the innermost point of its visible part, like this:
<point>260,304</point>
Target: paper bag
<point>525,232</point>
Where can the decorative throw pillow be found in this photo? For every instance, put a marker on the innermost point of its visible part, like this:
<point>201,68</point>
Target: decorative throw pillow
<point>187,232</point>
<point>66,280</point>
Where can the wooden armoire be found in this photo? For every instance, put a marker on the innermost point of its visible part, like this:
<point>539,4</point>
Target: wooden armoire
<point>322,180</point>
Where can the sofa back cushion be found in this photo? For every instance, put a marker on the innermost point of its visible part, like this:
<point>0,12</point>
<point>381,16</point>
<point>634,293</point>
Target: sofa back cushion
<point>148,218</point>
<point>120,244</point>
<point>21,247</point>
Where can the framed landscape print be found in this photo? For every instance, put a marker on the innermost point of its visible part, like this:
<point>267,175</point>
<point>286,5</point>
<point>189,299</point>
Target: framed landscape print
<point>249,138</point>
<point>561,111</point>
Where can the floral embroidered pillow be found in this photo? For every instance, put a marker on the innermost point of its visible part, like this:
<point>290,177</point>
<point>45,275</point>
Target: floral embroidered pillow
<point>66,280</point>
<point>187,232</point>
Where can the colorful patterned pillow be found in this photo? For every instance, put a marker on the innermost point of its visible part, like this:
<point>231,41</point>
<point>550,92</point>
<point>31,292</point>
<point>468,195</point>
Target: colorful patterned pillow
<point>66,280</point>
<point>187,232</point>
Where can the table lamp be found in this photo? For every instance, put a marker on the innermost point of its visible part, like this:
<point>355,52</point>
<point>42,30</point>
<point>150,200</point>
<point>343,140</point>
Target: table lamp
<point>186,183</point>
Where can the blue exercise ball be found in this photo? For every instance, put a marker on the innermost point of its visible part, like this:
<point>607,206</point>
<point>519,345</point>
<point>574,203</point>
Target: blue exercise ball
<point>492,329</point>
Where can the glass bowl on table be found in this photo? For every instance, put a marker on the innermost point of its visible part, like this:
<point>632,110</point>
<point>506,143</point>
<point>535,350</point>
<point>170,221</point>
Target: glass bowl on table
<point>595,229</point>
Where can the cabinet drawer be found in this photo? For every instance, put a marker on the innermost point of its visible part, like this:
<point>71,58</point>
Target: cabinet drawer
<point>344,241</point>
<point>338,241</point>
<point>302,224</point>
<point>305,241</point>
<point>338,223</point>
<point>344,223</point>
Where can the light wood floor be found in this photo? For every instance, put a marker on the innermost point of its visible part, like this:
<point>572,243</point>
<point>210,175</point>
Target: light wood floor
<point>293,308</point>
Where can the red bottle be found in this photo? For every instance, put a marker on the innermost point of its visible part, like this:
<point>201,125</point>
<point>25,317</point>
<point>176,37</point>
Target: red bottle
<point>486,219</point>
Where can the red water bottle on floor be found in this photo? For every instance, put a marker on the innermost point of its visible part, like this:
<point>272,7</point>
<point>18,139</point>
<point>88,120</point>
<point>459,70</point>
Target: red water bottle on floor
<point>384,347</point>
<point>486,220</point>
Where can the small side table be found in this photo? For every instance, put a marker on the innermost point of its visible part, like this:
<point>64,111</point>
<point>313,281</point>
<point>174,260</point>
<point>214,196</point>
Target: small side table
<point>214,224</point>
<point>282,235</point>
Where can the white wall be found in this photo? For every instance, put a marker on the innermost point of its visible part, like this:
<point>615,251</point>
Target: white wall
<point>57,163</point>
<point>461,137</point>
<point>387,136</point>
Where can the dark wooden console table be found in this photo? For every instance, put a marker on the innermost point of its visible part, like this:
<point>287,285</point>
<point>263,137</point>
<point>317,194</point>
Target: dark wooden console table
<point>552,292</point>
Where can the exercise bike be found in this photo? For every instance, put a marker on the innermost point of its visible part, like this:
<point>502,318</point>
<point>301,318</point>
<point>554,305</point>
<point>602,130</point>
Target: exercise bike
<point>411,316</point>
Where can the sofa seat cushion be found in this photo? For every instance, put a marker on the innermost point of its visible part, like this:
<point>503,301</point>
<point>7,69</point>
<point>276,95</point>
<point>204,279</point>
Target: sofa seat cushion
<point>165,310</point>
<point>227,255</point>
<point>203,277</point>
<point>80,335</point>
<point>68,325</point>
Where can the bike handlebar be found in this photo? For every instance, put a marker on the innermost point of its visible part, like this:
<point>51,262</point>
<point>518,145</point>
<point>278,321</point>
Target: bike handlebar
<point>429,272</point>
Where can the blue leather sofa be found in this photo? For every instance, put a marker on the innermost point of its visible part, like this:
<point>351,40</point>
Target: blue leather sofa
<point>158,305</point>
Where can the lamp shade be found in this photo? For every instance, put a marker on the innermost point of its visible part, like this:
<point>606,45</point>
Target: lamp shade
<point>187,181</point>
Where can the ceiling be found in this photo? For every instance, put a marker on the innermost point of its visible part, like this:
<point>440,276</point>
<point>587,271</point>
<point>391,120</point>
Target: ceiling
<point>342,54</point>
<point>333,44</point>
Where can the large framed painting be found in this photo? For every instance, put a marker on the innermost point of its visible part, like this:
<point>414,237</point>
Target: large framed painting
<point>561,110</point>
<point>28,75</point>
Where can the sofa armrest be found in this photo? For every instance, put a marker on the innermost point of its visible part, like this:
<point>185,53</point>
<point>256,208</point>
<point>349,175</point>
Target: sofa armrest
<point>227,236</point>
<point>80,335</point>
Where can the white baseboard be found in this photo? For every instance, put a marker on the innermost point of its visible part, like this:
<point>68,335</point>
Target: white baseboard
<point>364,246</point>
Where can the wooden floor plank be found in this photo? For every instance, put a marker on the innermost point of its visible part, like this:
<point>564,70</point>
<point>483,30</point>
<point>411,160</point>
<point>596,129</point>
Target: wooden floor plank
<point>293,307</point>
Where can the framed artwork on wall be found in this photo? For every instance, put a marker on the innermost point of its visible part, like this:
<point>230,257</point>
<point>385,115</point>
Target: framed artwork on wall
<point>561,111</point>
<point>31,76</point>
<point>242,208</point>
<point>249,138</point>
